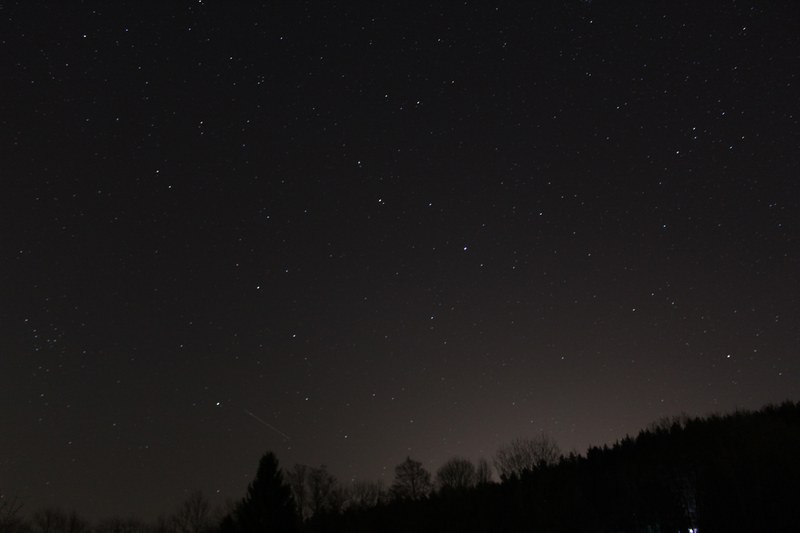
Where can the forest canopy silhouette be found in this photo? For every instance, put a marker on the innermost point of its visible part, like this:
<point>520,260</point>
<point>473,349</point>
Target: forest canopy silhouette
<point>737,472</point>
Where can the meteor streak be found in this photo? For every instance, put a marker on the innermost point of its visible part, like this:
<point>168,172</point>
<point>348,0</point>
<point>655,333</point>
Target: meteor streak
<point>270,426</point>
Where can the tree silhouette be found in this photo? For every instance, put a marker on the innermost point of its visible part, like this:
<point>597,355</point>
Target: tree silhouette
<point>322,491</point>
<point>456,474</point>
<point>364,494</point>
<point>122,525</point>
<point>739,472</point>
<point>525,455</point>
<point>314,489</point>
<point>483,472</point>
<point>10,514</point>
<point>298,481</point>
<point>193,515</point>
<point>268,505</point>
<point>53,520</point>
<point>411,480</point>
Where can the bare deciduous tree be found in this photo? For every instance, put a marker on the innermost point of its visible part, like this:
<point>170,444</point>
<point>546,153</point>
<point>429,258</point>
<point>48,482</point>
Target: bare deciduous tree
<point>122,525</point>
<point>456,474</point>
<point>10,514</point>
<point>315,490</point>
<point>48,521</point>
<point>52,520</point>
<point>193,515</point>
<point>411,480</point>
<point>298,481</point>
<point>365,494</point>
<point>321,494</point>
<point>483,472</point>
<point>525,455</point>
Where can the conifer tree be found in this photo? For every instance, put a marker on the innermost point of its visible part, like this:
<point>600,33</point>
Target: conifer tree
<point>268,505</point>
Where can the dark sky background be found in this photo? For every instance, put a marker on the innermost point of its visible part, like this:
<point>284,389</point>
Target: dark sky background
<point>354,231</point>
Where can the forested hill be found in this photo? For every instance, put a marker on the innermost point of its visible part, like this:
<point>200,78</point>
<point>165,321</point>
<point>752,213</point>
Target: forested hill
<point>737,472</point>
<point>729,473</point>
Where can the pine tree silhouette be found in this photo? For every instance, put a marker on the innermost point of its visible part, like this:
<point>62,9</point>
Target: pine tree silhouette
<point>268,506</point>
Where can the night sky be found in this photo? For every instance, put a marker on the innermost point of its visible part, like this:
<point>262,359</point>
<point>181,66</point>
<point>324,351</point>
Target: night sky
<point>352,231</point>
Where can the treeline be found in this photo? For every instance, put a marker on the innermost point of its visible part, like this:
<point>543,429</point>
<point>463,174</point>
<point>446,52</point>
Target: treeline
<point>193,515</point>
<point>738,472</point>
